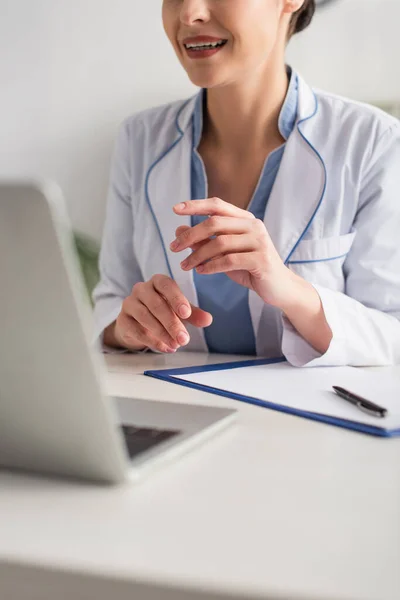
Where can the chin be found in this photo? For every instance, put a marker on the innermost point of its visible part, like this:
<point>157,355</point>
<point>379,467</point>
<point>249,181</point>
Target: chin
<point>207,79</point>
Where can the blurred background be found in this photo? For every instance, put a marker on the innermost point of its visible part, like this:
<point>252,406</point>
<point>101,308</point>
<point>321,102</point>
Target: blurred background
<point>72,70</point>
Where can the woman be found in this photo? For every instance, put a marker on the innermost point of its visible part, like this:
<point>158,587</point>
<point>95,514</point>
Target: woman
<point>292,247</point>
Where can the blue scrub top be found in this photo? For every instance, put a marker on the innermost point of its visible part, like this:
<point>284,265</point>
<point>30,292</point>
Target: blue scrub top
<point>231,331</point>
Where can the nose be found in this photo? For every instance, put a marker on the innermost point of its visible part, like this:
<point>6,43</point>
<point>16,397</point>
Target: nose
<point>194,11</point>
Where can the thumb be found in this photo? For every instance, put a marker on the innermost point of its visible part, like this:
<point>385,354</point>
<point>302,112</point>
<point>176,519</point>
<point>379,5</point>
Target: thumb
<point>199,317</point>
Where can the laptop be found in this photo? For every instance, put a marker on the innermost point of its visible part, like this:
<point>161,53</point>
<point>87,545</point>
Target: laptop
<point>55,417</point>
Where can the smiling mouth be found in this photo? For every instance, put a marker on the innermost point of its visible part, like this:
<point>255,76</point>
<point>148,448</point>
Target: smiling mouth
<point>201,47</point>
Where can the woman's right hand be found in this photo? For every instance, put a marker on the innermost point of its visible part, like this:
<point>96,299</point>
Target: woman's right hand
<point>152,317</point>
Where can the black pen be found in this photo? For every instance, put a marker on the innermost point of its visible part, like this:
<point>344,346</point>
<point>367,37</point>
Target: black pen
<point>362,403</point>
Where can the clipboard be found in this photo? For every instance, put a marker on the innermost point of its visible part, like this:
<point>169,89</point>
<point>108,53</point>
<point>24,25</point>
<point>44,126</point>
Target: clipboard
<point>277,372</point>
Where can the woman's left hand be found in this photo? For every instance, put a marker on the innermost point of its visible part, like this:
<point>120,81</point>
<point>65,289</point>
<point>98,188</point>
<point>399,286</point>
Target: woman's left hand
<point>241,248</point>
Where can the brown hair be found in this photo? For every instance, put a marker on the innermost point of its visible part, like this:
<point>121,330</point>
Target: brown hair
<point>302,18</point>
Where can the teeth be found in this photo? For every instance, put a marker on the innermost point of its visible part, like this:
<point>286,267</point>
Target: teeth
<point>205,46</point>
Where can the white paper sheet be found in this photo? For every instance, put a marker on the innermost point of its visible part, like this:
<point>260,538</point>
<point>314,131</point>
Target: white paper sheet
<point>311,389</point>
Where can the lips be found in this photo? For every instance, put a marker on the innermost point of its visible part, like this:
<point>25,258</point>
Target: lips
<point>203,46</point>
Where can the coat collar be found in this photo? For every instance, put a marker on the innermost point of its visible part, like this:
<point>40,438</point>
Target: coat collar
<point>301,181</point>
<point>295,198</point>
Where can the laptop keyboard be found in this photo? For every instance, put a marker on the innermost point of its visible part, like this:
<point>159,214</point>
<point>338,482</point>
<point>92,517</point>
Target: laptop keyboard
<point>140,439</point>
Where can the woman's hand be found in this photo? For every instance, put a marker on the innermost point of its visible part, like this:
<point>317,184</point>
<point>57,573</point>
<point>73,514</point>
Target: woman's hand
<point>152,317</point>
<point>244,251</point>
<point>241,248</point>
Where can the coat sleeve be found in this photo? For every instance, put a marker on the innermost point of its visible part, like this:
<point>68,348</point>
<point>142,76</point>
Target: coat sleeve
<point>365,320</point>
<point>118,266</point>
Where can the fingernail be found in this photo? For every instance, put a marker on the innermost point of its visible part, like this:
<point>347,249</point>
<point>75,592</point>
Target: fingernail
<point>174,245</point>
<point>184,311</point>
<point>171,350</point>
<point>183,338</point>
<point>200,268</point>
<point>184,263</point>
<point>180,206</point>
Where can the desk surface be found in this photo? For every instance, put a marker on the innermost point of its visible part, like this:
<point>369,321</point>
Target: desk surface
<point>274,507</point>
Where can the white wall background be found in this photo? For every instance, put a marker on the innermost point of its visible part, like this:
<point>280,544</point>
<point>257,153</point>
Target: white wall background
<point>71,70</point>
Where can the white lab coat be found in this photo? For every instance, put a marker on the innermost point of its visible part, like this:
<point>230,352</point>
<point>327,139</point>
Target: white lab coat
<point>333,215</point>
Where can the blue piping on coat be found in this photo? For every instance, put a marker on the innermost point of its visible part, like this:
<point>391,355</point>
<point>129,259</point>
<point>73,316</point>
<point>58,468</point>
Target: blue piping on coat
<point>302,262</point>
<point>325,174</point>
<point>148,177</point>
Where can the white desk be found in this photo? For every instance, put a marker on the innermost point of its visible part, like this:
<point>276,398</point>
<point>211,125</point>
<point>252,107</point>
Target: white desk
<point>275,507</point>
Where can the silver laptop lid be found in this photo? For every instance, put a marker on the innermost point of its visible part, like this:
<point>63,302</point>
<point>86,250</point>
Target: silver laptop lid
<point>50,381</point>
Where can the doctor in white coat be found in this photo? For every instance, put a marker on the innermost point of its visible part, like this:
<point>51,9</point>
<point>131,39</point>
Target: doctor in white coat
<point>260,217</point>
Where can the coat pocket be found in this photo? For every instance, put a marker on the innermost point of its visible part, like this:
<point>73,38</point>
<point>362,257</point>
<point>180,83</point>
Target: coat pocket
<point>320,261</point>
<point>325,249</point>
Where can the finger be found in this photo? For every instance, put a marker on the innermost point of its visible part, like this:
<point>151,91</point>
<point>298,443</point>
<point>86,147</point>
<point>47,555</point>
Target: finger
<point>159,299</point>
<point>219,246</point>
<point>211,206</point>
<point>183,228</point>
<point>208,228</point>
<point>199,317</point>
<point>246,261</point>
<point>170,290</point>
<point>132,333</point>
<point>139,311</point>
